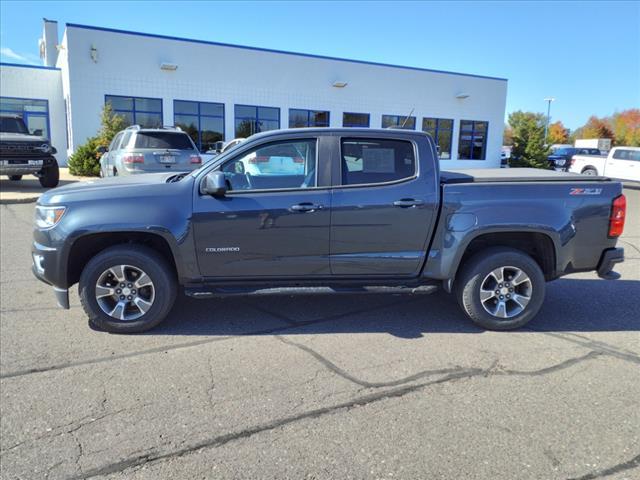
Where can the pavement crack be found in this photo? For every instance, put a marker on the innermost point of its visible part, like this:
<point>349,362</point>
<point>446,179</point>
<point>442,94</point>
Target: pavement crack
<point>620,467</point>
<point>595,345</point>
<point>221,440</point>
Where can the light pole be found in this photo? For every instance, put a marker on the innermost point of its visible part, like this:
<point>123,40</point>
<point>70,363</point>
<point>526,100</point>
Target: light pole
<point>546,127</point>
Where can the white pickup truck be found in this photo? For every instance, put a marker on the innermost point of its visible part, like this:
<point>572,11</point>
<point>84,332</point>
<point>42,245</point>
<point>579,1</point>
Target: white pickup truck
<point>622,163</point>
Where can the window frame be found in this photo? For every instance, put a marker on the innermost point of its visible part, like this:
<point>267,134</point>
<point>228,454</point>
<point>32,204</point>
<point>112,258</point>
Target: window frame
<point>397,123</point>
<point>244,152</point>
<point>256,118</point>
<point>134,111</point>
<point>22,113</point>
<point>356,126</point>
<point>436,137</point>
<point>199,114</point>
<point>309,112</point>
<point>416,171</point>
<point>473,131</point>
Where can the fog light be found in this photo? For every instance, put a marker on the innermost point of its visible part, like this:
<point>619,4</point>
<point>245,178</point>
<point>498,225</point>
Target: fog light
<point>38,261</point>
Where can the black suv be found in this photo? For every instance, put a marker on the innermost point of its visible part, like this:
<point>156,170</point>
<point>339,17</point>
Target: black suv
<point>22,153</point>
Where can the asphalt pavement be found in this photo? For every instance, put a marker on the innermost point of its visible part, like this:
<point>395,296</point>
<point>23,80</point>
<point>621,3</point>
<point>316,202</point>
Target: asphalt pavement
<point>321,387</point>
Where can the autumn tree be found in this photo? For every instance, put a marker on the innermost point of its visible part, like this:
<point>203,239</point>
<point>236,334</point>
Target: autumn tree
<point>557,134</point>
<point>597,128</point>
<point>529,148</point>
<point>626,127</point>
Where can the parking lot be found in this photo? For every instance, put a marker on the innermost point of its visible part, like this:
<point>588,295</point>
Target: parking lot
<point>321,387</point>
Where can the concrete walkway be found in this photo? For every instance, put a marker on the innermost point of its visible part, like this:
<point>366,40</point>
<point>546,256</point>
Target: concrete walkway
<point>28,189</point>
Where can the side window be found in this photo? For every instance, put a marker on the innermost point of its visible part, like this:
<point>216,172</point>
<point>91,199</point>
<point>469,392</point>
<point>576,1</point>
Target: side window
<point>274,166</point>
<point>125,140</point>
<point>366,161</point>
<point>115,142</point>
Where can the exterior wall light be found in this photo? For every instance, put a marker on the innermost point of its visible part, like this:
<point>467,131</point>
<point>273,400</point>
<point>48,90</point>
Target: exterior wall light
<point>168,66</point>
<point>93,53</point>
<point>340,84</point>
<point>462,95</point>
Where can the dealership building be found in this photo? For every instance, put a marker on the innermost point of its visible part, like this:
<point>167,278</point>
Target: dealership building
<point>218,91</point>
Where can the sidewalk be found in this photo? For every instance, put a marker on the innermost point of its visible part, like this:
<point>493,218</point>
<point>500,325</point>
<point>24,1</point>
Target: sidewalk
<point>29,190</point>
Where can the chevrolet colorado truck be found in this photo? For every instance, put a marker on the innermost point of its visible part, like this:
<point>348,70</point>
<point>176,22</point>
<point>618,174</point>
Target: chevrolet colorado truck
<point>346,209</point>
<point>22,153</point>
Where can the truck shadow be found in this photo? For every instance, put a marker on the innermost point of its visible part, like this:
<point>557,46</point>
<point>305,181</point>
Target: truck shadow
<point>577,305</point>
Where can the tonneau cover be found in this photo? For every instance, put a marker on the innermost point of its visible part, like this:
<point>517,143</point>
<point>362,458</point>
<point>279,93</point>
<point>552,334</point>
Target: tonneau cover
<point>482,175</point>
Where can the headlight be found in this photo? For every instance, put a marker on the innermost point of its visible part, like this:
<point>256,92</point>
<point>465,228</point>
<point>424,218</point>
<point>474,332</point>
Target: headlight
<point>48,217</point>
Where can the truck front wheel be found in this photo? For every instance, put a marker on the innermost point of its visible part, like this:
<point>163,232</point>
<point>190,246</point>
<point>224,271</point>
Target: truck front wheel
<point>127,289</point>
<point>50,176</point>
<point>501,288</point>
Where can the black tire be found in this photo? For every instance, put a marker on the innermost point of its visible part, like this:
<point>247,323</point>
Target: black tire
<point>50,176</point>
<point>15,178</point>
<point>473,274</point>
<point>590,171</point>
<point>144,258</point>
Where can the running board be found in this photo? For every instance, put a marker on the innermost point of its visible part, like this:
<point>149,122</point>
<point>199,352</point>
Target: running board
<point>204,292</point>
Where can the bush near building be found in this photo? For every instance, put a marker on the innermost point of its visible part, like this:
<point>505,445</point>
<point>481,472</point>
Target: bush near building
<point>85,161</point>
<point>527,137</point>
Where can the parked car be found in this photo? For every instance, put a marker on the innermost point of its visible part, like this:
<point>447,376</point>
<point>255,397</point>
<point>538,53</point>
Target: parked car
<point>368,210</point>
<point>622,163</point>
<point>22,153</point>
<point>147,150</point>
<point>560,159</point>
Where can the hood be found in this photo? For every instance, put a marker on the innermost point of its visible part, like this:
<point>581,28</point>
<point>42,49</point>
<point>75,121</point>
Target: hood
<point>21,137</point>
<point>143,185</point>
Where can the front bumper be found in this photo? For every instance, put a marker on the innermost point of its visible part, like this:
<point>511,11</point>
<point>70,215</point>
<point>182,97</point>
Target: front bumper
<point>45,263</point>
<point>23,166</point>
<point>609,258</point>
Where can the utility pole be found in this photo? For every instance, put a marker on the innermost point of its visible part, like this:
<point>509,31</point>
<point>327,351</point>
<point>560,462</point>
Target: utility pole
<point>546,127</point>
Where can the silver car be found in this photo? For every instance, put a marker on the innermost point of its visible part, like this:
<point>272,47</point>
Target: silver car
<point>148,150</point>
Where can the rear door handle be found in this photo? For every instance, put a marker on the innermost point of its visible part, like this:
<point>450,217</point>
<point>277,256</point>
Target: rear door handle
<point>407,202</point>
<point>305,207</point>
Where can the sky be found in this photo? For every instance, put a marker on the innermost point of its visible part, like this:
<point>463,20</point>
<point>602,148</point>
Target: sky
<point>585,54</point>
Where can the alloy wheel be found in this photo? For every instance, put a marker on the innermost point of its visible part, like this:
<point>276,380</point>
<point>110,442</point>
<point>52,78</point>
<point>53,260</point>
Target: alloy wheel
<point>125,292</point>
<point>505,292</point>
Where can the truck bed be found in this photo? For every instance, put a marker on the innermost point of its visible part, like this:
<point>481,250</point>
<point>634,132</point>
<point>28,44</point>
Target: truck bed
<point>512,175</point>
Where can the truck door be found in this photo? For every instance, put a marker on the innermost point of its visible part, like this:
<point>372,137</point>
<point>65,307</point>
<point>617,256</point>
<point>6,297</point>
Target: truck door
<point>384,204</point>
<point>623,164</point>
<point>274,219</point>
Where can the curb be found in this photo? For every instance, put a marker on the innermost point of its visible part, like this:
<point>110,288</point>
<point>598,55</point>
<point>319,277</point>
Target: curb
<point>13,201</point>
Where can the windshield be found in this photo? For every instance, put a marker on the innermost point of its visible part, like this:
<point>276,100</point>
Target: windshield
<point>12,125</point>
<point>178,141</point>
<point>564,151</point>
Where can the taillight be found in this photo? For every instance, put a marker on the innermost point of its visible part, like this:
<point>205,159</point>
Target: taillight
<point>195,159</point>
<point>616,220</point>
<point>133,158</point>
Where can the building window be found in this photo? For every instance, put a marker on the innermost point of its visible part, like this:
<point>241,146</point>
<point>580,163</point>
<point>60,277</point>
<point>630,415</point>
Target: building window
<point>146,112</point>
<point>355,119</point>
<point>308,118</point>
<point>399,121</point>
<point>472,144</point>
<point>250,120</point>
<point>441,129</point>
<point>34,113</point>
<point>204,122</point>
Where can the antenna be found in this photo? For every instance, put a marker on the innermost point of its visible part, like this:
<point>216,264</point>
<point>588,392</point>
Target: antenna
<point>407,118</point>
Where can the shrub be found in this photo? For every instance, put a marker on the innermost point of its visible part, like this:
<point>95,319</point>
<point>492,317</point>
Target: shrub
<point>85,160</point>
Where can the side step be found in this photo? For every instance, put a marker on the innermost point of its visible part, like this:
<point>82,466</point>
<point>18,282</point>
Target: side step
<point>211,292</point>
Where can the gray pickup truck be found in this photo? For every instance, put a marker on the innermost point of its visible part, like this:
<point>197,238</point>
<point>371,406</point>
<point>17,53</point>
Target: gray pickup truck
<point>22,153</point>
<point>351,209</point>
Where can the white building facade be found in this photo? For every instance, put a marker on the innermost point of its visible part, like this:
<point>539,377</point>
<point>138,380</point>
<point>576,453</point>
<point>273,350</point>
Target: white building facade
<point>219,92</point>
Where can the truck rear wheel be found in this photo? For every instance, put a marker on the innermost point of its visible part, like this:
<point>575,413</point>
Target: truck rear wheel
<point>50,176</point>
<point>501,288</point>
<point>127,289</point>
<point>15,178</point>
<point>590,171</point>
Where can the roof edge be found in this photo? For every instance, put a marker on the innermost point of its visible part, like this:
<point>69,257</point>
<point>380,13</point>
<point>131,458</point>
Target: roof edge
<point>40,67</point>
<point>284,52</point>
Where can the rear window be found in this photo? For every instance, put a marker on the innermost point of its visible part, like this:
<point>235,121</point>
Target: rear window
<point>366,161</point>
<point>179,141</point>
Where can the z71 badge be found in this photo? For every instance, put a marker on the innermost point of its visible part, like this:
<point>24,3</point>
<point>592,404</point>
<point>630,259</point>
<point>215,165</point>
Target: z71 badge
<point>585,191</point>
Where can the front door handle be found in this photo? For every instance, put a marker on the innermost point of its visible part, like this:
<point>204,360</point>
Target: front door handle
<point>305,207</point>
<point>407,202</point>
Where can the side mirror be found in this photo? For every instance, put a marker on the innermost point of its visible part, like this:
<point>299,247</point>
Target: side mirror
<point>101,149</point>
<point>214,184</point>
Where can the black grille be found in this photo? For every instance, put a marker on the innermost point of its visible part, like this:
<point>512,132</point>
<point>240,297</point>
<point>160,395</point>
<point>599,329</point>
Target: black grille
<point>20,148</point>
